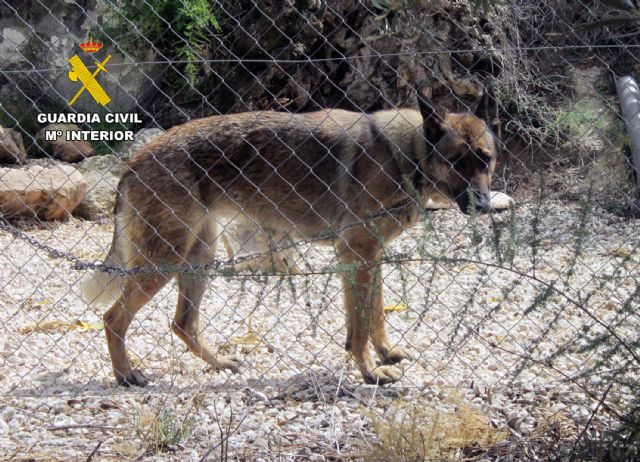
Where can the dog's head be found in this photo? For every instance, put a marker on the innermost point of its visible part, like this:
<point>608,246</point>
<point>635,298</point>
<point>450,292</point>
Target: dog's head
<point>463,150</point>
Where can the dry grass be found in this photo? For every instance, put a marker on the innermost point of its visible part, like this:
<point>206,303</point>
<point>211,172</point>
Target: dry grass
<point>420,433</point>
<point>161,430</point>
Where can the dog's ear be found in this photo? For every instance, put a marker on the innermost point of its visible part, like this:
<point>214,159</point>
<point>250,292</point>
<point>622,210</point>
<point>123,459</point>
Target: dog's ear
<point>433,117</point>
<point>487,109</point>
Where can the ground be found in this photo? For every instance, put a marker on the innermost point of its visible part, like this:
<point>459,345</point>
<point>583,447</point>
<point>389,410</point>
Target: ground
<point>483,326</point>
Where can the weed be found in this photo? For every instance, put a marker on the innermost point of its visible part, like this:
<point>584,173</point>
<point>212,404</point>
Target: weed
<point>575,121</point>
<point>6,118</point>
<point>418,433</point>
<point>176,30</point>
<point>162,429</point>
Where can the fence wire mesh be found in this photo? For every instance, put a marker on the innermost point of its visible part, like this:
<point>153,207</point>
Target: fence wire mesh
<point>299,171</point>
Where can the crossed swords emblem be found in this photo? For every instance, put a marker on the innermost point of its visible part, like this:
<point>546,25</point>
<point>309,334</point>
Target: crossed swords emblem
<point>80,72</point>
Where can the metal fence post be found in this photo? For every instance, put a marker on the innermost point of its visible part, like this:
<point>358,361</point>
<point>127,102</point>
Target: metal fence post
<point>629,96</point>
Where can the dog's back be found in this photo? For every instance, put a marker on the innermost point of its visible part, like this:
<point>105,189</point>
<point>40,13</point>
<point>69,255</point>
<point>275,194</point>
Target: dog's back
<point>303,172</point>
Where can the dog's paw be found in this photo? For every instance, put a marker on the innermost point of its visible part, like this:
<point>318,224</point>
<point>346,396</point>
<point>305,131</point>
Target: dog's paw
<point>228,362</point>
<point>136,377</point>
<point>393,355</point>
<point>382,375</point>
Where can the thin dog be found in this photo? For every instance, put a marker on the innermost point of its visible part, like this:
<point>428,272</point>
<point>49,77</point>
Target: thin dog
<point>361,176</point>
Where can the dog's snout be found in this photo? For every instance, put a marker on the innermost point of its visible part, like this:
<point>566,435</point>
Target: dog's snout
<point>483,202</point>
<point>472,200</point>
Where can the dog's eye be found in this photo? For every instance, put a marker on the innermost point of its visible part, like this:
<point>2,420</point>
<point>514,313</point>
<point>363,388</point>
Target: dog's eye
<point>484,158</point>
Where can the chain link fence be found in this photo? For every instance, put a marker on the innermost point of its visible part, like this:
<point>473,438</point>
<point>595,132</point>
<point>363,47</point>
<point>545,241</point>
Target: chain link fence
<point>514,333</point>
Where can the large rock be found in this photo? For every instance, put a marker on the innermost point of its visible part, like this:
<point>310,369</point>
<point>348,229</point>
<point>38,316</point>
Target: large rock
<point>46,192</point>
<point>500,200</point>
<point>102,174</point>
<point>61,149</point>
<point>11,147</point>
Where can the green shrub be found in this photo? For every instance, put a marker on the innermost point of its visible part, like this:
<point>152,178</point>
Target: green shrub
<point>177,30</point>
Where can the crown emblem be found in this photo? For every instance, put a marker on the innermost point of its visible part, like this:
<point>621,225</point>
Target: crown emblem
<point>91,46</point>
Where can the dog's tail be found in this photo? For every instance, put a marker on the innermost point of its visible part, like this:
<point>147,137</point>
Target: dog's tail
<point>101,288</point>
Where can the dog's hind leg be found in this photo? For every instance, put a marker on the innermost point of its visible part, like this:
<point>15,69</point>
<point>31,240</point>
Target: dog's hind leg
<point>138,290</point>
<point>186,323</point>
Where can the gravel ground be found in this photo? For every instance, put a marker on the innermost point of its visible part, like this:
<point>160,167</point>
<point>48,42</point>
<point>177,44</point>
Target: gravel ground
<point>480,334</point>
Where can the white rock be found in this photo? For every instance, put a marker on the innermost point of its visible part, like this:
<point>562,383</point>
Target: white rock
<point>498,201</point>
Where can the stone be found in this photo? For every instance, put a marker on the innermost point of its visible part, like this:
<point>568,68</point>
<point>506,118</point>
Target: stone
<point>437,201</point>
<point>48,193</point>
<point>102,174</point>
<point>141,138</point>
<point>13,39</point>
<point>11,147</point>
<point>498,201</point>
<point>61,149</point>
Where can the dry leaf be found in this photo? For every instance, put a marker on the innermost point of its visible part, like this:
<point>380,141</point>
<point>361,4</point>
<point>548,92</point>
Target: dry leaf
<point>251,338</point>
<point>398,307</point>
<point>619,252</point>
<point>247,341</point>
<point>108,404</point>
<point>45,326</point>
<point>87,326</point>
<point>57,325</point>
<point>29,303</point>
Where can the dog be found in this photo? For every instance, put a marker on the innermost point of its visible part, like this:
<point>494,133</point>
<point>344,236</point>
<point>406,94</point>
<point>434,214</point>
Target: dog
<point>358,178</point>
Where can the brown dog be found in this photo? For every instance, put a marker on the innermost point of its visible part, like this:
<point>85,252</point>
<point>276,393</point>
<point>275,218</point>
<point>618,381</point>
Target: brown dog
<point>299,175</point>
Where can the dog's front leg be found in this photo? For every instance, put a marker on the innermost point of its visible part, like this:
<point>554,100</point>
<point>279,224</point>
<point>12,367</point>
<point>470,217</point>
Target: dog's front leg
<point>388,354</point>
<point>363,305</point>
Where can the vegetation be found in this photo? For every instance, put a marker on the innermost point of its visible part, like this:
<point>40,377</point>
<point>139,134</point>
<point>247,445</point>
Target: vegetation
<point>419,433</point>
<point>161,429</point>
<point>616,13</point>
<point>176,30</point>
